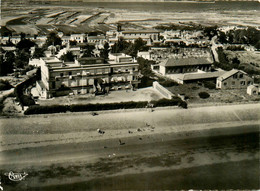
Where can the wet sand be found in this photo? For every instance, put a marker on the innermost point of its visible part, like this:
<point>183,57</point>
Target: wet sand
<point>67,149</point>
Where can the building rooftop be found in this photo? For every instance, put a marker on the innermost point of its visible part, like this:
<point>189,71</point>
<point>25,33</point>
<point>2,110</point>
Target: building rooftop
<point>50,59</point>
<point>185,61</point>
<point>96,37</point>
<point>140,31</point>
<point>8,48</point>
<point>253,86</point>
<point>198,76</point>
<point>229,73</point>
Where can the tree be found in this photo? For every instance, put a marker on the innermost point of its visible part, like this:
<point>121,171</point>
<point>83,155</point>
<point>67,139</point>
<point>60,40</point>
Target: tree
<point>88,51</point>
<point>120,46</point>
<point>25,44</point>
<point>236,61</point>
<point>210,31</point>
<point>69,57</point>
<point>7,63</point>
<point>139,45</point>
<point>105,51</point>
<point>73,42</point>
<point>222,37</point>
<point>53,39</point>
<point>145,66</point>
<point>5,85</point>
<point>39,52</point>
<point>22,59</point>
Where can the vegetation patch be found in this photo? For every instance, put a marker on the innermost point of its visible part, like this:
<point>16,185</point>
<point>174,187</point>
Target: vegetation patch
<point>36,109</point>
<point>5,85</point>
<point>204,95</point>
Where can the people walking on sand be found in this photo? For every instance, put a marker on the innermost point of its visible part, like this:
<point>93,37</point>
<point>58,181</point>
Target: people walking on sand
<point>120,142</point>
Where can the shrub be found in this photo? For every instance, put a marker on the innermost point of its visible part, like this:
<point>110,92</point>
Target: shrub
<point>183,104</point>
<point>108,106</point>
<point>168,83</point>
<point>36,109</point>
<point>204,95</point>
<point>167,102</point>
<point>209,85</point>
<point>26,100</point>
<point>5,85</point>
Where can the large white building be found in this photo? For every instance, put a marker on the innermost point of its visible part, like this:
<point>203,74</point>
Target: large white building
<point>87,75</point>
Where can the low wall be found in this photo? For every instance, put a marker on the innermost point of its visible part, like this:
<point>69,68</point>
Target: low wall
<point>162,90</point>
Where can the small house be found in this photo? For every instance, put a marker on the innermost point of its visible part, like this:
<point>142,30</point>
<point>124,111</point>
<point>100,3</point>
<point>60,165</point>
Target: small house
<point>253,89</point>
<point>234,79</point>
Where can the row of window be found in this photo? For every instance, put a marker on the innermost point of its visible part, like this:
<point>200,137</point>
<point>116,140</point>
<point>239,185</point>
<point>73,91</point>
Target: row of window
<point>98,71</point>
<point>233,83</point>
<point>235,76</point>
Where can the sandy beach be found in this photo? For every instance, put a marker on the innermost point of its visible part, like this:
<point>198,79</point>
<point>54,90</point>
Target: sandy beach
<point>66,148</point>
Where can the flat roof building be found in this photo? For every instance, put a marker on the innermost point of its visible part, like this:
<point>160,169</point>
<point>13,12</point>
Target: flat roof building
<point>87,75</point>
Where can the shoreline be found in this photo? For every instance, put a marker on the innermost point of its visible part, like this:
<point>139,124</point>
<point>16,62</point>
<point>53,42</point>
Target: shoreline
<point>37,131</point>
<point>178,138</point>
<point>91,161</point>
<point>188,131</point>
<point>190,106</point>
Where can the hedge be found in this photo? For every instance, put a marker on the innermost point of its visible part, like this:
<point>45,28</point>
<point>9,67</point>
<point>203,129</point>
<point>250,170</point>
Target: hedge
<point>36,109</point>
<point>26,100</point>
<point>5,85</point>
<point>108,106</point>
<point>209,85</point>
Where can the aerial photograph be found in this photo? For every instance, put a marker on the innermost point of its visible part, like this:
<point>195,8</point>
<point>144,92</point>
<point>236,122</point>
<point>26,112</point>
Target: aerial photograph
<point>129,95</point>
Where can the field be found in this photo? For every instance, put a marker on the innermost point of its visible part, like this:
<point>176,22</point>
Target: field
<point>92,17</point>
<point>192,90</point>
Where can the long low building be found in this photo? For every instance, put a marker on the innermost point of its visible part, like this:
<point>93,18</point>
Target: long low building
<point>184,65</point>
<point>193,77</point>
<point>87,75</point>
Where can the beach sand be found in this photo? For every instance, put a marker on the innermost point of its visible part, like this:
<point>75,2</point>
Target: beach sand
<point>66,148</point>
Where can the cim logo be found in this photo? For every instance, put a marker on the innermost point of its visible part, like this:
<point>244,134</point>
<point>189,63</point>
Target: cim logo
<point>16,176</point>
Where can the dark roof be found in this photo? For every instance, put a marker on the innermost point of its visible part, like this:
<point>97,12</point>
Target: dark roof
<point>90,58</point>
<point>140,31</point>
<point>185,62</point>
<point>96,37</point>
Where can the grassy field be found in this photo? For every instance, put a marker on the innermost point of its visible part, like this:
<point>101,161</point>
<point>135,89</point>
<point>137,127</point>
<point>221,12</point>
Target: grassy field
<point>216,96</point>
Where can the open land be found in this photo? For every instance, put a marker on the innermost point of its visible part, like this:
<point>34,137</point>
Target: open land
<point>78,18</point>
<point>144,94</point>
<point>217,96</point>
<point>67,149</point>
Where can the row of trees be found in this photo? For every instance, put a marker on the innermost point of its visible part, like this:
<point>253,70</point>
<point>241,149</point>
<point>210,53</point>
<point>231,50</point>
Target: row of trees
<point>227,64</point>
<point>250,36</point>
<point>18,60</point>
<point>122,46</point>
